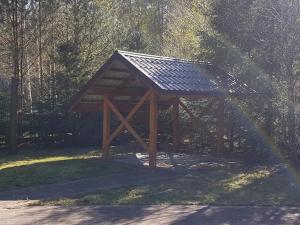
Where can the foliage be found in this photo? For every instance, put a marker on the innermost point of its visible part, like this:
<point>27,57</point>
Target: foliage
<point>53,47</point>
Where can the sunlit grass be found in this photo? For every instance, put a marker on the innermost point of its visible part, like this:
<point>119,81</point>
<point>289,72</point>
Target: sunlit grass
<point>30,168</point>
<point>243,179</point>
<point>27,162</point>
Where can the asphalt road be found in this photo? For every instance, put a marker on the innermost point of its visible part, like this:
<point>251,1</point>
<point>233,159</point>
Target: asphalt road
<point>176,215</point>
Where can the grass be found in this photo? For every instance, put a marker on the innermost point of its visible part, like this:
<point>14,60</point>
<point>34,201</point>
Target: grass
<point>31,168</point>
<point>211,183</point>
<point>216,186</point>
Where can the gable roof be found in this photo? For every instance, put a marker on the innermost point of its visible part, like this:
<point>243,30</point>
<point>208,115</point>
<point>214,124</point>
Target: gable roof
<point>168,76</point>
<point>171,74</point>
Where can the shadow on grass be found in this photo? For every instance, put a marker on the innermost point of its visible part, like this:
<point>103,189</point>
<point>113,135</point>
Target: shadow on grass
<point>256,186</point>
<point>57,171</point>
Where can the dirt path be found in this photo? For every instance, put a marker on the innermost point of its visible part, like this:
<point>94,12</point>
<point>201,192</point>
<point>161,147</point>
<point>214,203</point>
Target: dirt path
<point>149,215</point>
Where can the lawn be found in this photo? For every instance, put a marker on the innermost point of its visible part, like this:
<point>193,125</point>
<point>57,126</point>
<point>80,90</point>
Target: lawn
<point>241,185</point>
<point>210,183</point>
<point>31,168</point>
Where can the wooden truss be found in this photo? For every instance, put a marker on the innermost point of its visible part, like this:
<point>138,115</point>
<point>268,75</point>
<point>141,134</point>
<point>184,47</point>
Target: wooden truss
<point>108,106</point>
<point>220,119</point>
<point>152,98</point>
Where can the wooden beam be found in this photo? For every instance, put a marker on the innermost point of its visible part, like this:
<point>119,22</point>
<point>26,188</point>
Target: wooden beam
<point>124,87</point>
<point>175,118</point>
<point>220,125</point>
<point>118,78</point>
<point>106,129</point>
<point>188,95</point>
<point>202,113</point>
<point>117,91</point>
<point>129,116</point>
<point>76,99</point>
<point>126,124</point>
<point>119,70</point>
<point>123,106</point>
<point>153,130</point>
<point>187,110</point>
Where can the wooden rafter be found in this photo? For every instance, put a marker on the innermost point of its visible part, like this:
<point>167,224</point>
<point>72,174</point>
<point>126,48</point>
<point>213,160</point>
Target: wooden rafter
<point>119,70</point>
<point>76,99</point>
<point>118,87</point>
<point>187,110</point>
<point>118,78</point>
<point>202,113</point>
<point>117,91</point>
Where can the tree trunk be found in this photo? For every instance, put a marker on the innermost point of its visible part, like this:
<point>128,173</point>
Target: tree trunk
<point>27,86</point>
<point>13,115</point>
<point>40,53</point>
<point>291,118</point>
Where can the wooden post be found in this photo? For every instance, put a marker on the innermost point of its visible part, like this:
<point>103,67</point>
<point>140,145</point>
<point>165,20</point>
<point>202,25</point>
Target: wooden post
<point>106,129</point>
<point>220,125</point>
<point>175,116</point>
<point>153,130</point>
<point>231,127</point>
<point>13,115</point>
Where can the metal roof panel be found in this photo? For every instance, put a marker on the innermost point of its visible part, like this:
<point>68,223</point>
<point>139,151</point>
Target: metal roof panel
<point>172,74</point>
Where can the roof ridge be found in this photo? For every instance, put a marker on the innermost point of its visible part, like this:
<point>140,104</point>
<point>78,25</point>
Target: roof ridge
<point>156,56</point>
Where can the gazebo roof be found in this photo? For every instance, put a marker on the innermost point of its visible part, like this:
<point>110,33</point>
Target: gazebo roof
<point>170,74</point>
<point>127,73</point>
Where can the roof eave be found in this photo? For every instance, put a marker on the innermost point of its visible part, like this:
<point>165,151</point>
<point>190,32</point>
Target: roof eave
<point>116,56</point>
<point>83,90</point>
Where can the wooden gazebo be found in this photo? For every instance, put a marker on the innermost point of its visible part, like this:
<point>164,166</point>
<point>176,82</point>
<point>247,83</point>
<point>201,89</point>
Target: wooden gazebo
<point>129,81</point>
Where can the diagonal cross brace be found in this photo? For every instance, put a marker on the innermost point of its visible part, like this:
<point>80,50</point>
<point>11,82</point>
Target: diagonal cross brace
<point>125,123</point>
<point>191,113</point>
<point>121,127</point>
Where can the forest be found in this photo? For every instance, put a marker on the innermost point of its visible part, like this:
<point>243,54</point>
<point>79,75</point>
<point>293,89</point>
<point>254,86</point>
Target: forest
<point>52,47</point>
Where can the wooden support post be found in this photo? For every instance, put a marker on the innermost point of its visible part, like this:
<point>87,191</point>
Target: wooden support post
<point>231,127</point>
<point>106,129</point>
<point>175,116</point>
<point>220,125</point>
<point>153,130</point>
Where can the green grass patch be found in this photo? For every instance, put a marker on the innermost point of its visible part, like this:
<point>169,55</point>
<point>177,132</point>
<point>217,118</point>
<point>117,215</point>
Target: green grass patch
<point>227,186</point>
<point>31,168</point>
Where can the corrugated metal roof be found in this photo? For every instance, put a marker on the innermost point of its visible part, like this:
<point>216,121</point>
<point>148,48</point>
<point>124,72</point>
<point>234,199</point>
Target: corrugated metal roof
<point>171,74</point>
<point>178,75</point>
<point>168,76</point>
